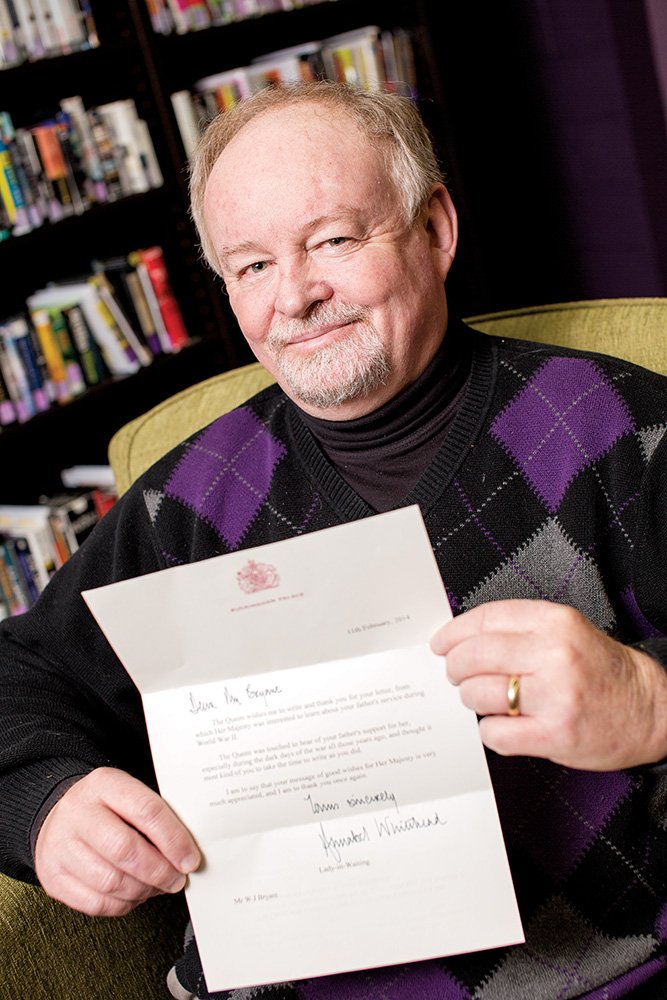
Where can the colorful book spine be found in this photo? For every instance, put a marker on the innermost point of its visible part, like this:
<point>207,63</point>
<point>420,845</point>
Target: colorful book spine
<point>153,259</point>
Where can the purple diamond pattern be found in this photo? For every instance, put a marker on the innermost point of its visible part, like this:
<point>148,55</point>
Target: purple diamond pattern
<point>565,418</point>
<point>567,811</point>
<point>423,980</point>
<point>226,473</point>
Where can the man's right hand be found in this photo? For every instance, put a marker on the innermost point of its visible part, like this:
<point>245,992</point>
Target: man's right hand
<point>110,843</point>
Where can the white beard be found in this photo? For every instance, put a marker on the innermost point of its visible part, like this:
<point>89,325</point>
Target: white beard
<point>354,366</point>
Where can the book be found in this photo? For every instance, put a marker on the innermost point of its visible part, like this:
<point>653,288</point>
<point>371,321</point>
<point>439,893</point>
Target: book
<point>107,294</point>
<point>153,260</point>
<point>290,65</point>
<point>17,593</point>
<point>118,355</point>
<point>7,411</point>
<point>68,24</point>
<point>93,476</point>
<point>58,385</point>
<point>22,335</point>
<point>90,357</point>
<point>72,517</point>
<point>11,580</point>
<point>11,193</point>
<point>188,119</point>
<point>122,122</point>
<point>82,137</point>
<point>15,376</point>
<point>55,168</point>
<point>148,317</point>
<point>27,19</point>
<point>30,522</point>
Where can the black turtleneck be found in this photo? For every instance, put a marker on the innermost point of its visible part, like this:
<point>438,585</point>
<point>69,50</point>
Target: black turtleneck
<point>383,454</point>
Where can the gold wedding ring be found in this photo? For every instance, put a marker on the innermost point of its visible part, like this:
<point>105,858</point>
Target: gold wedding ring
<point>513,690</point>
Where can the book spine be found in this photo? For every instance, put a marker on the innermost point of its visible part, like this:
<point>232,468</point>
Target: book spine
<point>20,331</point>
<point>127,336</point>
<point>19,599</point>
<point>27,567</point>
<point>54,167</point>
<point>75,380</point>
<point>59,390</point>
<point>153,258</point>
<point>27,19</point>
<point>15,376</point>
<point>11,194</point>
<point>91,361</point>
<point>142,311</point>
<point>8,413</point>
<point>151,300</point>
<point>186,119</point>
<point>118,356</point>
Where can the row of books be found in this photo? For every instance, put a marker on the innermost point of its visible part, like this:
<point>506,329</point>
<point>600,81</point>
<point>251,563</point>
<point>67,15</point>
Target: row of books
<point>40,29</point>
<point>79,157</point>
<point>37,539</point>
<point>73,335</point>
<point>367,57</point>
<point>182,16</point>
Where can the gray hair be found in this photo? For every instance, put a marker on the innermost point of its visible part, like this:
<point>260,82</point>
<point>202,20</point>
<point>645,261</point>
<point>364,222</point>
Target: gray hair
<point>391,122</point>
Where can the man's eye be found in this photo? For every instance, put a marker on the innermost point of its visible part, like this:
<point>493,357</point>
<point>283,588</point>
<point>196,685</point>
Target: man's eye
<point>257,267</point>
<point>337,241</point>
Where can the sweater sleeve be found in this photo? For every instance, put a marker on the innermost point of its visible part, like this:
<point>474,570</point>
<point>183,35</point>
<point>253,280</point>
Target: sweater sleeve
<point>67,705</point>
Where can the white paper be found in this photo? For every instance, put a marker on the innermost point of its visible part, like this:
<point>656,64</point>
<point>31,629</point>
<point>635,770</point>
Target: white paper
<point>308,737</point>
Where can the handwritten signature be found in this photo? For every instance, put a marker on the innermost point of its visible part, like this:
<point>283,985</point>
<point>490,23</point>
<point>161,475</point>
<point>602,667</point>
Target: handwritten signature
<point>333,846</point>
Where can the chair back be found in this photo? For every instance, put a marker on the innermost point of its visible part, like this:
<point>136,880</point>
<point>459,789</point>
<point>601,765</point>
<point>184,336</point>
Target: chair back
<point>631,329</point>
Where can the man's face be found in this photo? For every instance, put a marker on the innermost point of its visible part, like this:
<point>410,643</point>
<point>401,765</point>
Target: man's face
<point>341,301</point>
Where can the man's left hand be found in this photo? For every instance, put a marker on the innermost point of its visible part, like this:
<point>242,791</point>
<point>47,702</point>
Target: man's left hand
<point>585,700</point>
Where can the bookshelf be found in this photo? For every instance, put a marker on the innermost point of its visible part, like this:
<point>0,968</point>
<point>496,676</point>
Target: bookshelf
<point>153,66</point>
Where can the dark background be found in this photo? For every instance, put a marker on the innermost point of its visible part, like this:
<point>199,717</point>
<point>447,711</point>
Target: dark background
<point>556,124</point>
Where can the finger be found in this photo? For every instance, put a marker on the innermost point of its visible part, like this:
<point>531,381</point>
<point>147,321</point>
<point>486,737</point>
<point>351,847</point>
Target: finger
<point>512,616</point>
<point>488,695</point>
<point>148,813</point>
<point>493,654</point>
<point>88,878</point>
<point>125,849</point>
<point>522,736</point>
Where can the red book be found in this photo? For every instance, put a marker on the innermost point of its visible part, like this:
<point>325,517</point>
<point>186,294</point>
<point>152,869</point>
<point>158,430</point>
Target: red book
<point>153,259</point>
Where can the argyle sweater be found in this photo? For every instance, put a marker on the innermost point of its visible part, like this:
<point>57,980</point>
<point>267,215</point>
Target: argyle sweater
<point>551,484</point>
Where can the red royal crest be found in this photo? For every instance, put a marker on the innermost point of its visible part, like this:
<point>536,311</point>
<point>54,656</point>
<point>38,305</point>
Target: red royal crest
<point>257,576</point>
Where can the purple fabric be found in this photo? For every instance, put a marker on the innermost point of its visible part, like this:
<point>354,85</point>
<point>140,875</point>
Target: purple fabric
<point>567,808</point>
<point>420,981</point>
<point>565,417</point>
<point>644,627</point>
<point>226,472</point>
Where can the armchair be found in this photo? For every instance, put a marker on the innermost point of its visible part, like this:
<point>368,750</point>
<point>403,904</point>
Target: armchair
<point>48,951</point>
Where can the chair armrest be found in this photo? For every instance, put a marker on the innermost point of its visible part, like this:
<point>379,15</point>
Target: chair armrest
<point>48,950</point>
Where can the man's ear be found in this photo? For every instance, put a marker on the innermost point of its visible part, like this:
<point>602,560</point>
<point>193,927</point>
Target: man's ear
<point>443,229</point>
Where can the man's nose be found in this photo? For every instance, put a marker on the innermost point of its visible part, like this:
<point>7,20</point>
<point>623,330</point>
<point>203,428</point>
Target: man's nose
<point>300,286</point>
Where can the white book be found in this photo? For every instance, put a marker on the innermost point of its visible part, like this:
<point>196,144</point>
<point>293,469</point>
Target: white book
<point>92,476</point>
<point>147,153</point>
<point>186,119</point>
<point>68,24</point>
<point>120,118</point>
<point>118,359</point>
<point>25,12</point>
<point>46,27</point>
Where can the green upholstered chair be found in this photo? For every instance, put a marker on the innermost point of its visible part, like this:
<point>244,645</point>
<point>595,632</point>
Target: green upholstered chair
<point>46,950</point>
<point>633,329</point>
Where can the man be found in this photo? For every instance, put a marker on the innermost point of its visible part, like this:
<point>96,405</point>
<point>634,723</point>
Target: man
<point>541,477</point>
